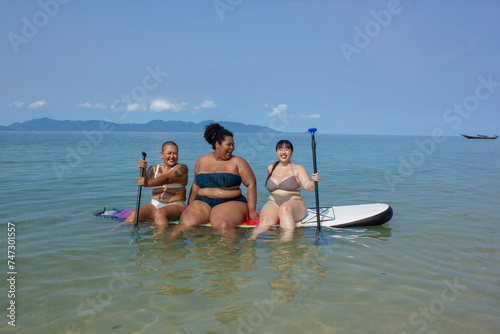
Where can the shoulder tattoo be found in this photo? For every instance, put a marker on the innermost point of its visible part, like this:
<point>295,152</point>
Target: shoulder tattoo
<point>150,172</point>
<point>181,170</point>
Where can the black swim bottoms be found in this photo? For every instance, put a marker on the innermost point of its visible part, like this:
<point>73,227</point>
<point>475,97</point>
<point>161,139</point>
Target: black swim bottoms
<point>213,201</point>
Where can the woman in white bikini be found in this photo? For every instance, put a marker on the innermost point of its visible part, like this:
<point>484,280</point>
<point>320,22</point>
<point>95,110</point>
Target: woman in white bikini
<point>168,181</point>
<point>285,204</point>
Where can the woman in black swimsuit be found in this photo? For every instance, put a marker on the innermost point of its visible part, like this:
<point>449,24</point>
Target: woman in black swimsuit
<point>216,194</point>
<point>285,203</point>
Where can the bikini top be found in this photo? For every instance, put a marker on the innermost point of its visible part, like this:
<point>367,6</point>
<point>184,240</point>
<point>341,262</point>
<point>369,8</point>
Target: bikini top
<point>218,180</point>
<point>289,184</point>
<point>168,185</point>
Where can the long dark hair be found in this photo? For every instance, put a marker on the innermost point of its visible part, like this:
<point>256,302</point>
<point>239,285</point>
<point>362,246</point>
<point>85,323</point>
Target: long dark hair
<point>280,144</point>
<point>216,133</point>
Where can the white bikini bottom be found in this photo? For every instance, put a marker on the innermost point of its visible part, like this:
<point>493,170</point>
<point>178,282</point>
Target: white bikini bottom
<point>159,204</point>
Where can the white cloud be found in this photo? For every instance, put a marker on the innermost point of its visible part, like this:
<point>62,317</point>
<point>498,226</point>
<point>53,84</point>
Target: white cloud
<point>90,105</point>
<point>84,105</point>
<point>135,107</point>
<point>37,104</point>
<point>206,105</point>
<point>161,105</point>
<point>16,104</point>
<point>310,116</point>
<point>279,110</point>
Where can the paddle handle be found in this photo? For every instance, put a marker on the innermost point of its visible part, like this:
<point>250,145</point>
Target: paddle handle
<point>315,170</point>
<point>139,192</point>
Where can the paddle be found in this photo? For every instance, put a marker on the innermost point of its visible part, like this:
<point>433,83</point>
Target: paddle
<point>320,240</point>
<point>139,192</point>
<point>315,170</point>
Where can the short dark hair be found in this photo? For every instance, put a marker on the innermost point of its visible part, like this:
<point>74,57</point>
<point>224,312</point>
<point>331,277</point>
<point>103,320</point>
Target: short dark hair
<point>169,143</point>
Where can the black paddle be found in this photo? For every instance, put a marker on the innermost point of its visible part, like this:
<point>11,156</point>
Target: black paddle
<point>139,192</point>
<point>315,170</point>
<point>320,240</point>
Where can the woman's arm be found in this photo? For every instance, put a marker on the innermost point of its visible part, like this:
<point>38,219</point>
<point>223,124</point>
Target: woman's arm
<point>194,187</point>
<point>304,179</point>
<point>193,193</point>
<point>248,179</point>
<point>177,175</point>
<point>149,171</point>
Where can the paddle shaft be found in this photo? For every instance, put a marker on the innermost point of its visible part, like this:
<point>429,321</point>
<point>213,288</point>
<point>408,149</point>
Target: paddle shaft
<point>139,192</point>
<point>315,170</point>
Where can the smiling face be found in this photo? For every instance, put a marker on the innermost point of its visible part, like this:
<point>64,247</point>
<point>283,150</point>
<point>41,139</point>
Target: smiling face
<point>170,155</point>
<point>224,151</point>
<point>284,153</point>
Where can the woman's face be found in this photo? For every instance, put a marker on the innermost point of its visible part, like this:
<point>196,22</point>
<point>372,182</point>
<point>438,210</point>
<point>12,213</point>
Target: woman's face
<point>284,154</point>
<point>225,150</point>
<point>170,155</point>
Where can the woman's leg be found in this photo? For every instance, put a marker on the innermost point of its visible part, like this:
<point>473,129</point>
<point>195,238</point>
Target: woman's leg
<point>290,212</point>
<point>229,214</point>
<point>146,211</point>
<point>166,213</point>
<point>226,217</point>
<point>196,213</point>
<point>268,218</point>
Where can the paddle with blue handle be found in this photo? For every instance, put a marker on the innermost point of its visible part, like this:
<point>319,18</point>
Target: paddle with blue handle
<point>320,240</point>
<point>139,192</point>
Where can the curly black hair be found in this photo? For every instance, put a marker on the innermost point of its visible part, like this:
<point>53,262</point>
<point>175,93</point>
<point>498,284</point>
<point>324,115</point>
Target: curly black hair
<point>216,133</point>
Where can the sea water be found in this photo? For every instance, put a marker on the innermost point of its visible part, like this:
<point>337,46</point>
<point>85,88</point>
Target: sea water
<point>434,268</point>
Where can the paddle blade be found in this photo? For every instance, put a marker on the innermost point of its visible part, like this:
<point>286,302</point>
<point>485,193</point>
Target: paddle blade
<point>312,131</point>
<point>322,242</point>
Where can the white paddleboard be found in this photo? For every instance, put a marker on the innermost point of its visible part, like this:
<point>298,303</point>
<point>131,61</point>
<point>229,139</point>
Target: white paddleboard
<point>348,216</point>
<point>332,216</point>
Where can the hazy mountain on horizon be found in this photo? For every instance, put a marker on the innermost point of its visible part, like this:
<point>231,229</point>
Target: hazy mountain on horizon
<point>48,124</point>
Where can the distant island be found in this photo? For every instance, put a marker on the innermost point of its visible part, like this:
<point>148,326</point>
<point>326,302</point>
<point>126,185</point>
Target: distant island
<point>47,124</point>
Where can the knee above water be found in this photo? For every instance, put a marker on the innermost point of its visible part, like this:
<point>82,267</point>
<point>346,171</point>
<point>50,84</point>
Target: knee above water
<point>186,217</point>
<point>285,210</point>
<point>157,214</point>
<point>224,224</point>
<point>265,220</point>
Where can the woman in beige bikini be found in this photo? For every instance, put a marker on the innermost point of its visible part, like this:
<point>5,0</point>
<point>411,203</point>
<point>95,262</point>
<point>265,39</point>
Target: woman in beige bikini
<point>285,203</point>
<point>168,181</point>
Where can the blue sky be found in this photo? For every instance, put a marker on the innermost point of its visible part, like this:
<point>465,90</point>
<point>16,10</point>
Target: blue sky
<point>344,67</point>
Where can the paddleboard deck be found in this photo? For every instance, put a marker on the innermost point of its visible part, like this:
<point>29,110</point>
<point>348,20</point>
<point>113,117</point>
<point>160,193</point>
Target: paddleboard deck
<point>332,216</point>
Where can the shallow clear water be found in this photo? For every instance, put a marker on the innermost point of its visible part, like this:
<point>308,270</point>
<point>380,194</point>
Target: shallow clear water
<point>433,268</point>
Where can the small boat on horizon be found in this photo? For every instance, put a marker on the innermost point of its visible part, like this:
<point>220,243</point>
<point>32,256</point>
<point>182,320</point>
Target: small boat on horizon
<point>480,137</point>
